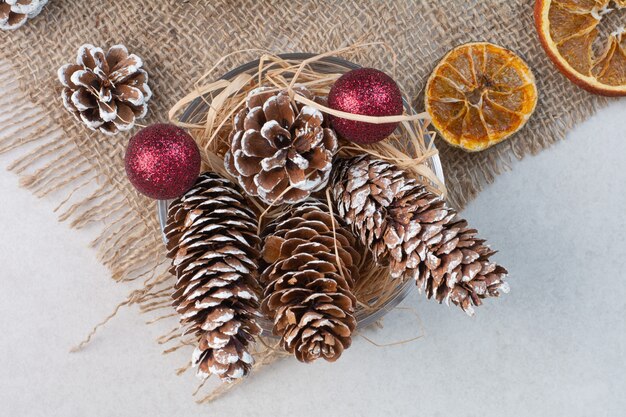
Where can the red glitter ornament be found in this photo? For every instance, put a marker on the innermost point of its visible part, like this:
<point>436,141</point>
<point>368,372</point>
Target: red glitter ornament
<point>162,161</point>
<point>366,91</point>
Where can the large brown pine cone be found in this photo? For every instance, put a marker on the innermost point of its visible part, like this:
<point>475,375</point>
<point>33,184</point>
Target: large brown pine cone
<point>280,151</point>
<point>107,92</point>
<point>213,245</point>
<point>308,293</point>
<point>14,13</point>
<point>414,231</point>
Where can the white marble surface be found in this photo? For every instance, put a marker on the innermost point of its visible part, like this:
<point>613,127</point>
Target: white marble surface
<point>555,346</point>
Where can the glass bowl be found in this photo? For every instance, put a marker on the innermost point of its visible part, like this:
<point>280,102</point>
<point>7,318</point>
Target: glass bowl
<point>198,108</point>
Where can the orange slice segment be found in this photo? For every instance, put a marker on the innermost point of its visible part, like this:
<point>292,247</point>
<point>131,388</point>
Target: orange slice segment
<point>568,29</point>
<point>479,95</point>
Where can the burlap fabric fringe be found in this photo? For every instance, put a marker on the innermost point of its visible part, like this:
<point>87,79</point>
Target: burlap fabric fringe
<point>179,40</point>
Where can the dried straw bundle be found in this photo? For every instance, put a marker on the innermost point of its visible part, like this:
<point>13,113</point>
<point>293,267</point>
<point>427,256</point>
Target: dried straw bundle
<point>208,112</point>
<point>211,124</point>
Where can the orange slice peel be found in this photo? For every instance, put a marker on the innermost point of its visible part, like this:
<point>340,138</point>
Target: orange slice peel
<point>568,30</point>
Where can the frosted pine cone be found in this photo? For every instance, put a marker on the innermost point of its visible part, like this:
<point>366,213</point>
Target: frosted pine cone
<point>14,13</point>
<point>212,241</point>
<point>279,150</point>
<point>414,231</point>
<point>457,268</point>
<point>308,293</point>
<point>363,189</point>
<point>107,92</point>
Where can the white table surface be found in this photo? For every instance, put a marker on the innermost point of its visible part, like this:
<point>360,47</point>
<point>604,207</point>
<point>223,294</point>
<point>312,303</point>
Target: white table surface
<point>554,346</point>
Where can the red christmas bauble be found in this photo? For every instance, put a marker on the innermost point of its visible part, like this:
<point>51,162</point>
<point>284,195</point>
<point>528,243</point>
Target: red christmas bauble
<point>365,91</point>
<point>162,161</point>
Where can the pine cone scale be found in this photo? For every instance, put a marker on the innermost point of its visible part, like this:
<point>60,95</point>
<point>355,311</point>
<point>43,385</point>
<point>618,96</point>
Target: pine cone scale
<point>14,13</point>
<point>278,109</point>
<point>124,68</point>
<point>255,145</point>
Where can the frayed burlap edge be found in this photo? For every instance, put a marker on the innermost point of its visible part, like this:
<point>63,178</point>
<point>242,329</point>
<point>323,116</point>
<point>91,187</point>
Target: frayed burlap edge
<point>127,244</point>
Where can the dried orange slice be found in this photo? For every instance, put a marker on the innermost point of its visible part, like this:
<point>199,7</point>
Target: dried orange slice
<point>569,30</point>
<point>479,95</point>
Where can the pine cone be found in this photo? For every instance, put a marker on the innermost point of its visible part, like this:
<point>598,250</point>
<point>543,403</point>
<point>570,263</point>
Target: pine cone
<point>279,150</point>
<point>414,232</point>
<point>108,91</point>
<point>14,13</point>
<point>309,294</point>
<point>457,268</point>
<point>212,242</point>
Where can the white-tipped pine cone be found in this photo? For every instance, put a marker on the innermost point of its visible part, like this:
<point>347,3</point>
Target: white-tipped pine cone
<point>106,91</point>
<point>14,13</point>
<point>415,233</point>
<point>212,241</point>
<point>309,278</point>
<point>280,151</point>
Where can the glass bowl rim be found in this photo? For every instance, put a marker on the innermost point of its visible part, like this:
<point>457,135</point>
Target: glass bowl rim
<point>368,316</point>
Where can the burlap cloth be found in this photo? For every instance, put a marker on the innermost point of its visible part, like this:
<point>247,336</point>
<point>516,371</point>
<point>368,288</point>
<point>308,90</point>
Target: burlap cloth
<point>179,40</point>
